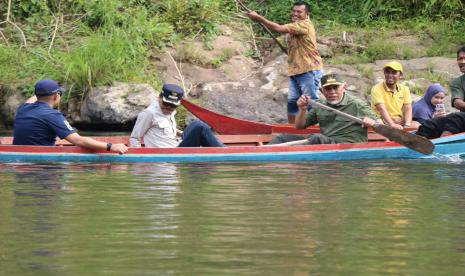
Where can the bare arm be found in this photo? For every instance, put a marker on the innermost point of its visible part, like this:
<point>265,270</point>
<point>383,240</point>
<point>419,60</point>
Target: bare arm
<point>269,24</point>
<point>32,99</point>
<point>407,110</point>
<point>459,104</point>
<point>446,133</point>
<point>386,117</point>
<point>89,143</point>
<point>300,118</point>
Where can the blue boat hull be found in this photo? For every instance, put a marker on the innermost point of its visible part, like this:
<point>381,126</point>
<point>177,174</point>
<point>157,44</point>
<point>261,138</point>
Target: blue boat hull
<point>452,145</point>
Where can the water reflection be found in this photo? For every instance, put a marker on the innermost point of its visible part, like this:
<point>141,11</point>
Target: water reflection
<point>34,211</point>
<point>291,218</point>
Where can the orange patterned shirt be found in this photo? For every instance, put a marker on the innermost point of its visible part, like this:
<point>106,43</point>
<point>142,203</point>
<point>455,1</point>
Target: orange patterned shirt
<point>303,52</point>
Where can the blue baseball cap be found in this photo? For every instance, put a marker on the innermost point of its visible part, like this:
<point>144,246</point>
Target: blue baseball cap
<point>47,88</point>
<point>172,94</point>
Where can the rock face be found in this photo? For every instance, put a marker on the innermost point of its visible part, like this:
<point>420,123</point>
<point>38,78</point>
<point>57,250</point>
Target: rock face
<point>10,100</point>
<point>263,96</point>
<point>116,107</point>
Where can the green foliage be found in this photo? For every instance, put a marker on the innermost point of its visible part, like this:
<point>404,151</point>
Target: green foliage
<point>191,16</point>
<point>146,29</point>
<point>381,49</point>
<point>355,11</point>
<point>117,48</point>
<point>8,68</point>
<point>102,59</point>
<point>187,52</point>
<point>181,117</point>
<point>366,71</point>
<point>104,15</point>
<point>446,35</point>
<point>22,69</point>
<point>28,9</point>
<point>276,10</point>
<point>102,41</point>
<point>349,59</point>
<point>98,41</point>
<point>368,12</point>
<point>225,55</point>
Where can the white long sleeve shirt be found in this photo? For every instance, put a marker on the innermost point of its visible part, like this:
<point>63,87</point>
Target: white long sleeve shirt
<point>157,129</point>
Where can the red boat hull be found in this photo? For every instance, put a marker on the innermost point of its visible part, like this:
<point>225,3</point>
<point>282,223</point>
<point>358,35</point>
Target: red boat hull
<point>229,125</point>
<point>223,124</point>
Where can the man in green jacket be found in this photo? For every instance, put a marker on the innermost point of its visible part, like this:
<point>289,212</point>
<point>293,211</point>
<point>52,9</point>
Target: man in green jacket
<point>457,86</point>
<point>334,128</point>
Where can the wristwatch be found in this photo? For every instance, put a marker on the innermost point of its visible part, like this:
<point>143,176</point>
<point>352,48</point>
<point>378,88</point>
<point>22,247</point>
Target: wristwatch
<point>109,146</point>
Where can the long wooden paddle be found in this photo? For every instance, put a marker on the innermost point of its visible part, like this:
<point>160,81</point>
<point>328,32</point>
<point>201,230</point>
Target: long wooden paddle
<point>239,2</point>
<point>411,141</point>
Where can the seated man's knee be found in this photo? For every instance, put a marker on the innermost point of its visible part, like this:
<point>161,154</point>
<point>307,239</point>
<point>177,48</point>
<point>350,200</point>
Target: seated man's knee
<point>284,138</point>
<point>319,138</point>
<point>200,124</point>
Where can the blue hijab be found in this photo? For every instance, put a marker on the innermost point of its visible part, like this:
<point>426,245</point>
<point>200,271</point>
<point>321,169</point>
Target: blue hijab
<point>424,109</point>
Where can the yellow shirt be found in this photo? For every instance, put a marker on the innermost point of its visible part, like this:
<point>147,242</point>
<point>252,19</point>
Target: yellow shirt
<point>302,47</point>
<point>392,100</point>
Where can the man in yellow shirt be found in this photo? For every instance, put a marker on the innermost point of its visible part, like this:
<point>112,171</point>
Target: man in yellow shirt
<point>391,100</point>
<point>304,63</point>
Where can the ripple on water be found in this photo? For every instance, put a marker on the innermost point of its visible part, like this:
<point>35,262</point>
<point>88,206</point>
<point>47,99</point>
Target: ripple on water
<point>449,158</point>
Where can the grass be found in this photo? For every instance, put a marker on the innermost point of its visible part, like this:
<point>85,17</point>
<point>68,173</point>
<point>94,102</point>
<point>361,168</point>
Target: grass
<point>435,38</point>
<point>187,52</point>
<point>116,38</point>
<point>366,71</point>
<point>225,55</point>
<point>102,59</point>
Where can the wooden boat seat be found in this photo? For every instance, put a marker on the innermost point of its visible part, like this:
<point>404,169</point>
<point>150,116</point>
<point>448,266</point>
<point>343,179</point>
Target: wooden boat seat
<point>246,140</point>
<point>376,137</point>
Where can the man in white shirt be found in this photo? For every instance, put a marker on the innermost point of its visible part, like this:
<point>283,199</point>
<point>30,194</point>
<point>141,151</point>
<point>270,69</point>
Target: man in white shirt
<point>157,126</point>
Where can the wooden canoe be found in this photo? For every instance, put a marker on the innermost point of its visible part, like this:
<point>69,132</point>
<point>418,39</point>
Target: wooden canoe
<point>243,152</point>
<point>223,124</point>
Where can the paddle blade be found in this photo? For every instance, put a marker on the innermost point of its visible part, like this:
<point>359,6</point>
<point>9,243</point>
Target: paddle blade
<point>411,141</point>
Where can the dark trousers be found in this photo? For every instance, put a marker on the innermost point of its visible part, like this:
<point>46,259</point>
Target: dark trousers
<point>199,134</point>
<point>312,139</point>
<point>453,122</point>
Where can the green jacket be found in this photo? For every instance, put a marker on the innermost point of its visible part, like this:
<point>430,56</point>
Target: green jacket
<point>457,88</point>
<point>339,128</point>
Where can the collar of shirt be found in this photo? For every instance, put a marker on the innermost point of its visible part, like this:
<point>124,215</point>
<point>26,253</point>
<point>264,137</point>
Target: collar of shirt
<point>157,110</point>
<point>389,90</point>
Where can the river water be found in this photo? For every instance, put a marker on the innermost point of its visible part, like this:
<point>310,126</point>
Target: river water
<point>344,218</point>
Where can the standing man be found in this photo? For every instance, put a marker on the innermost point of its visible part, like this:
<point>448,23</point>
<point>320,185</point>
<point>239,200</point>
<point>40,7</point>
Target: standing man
<point>457,86</point>
<point>392,100</point>
<point>157,126</point>
<point>304,63</point>
<point>38,123</point>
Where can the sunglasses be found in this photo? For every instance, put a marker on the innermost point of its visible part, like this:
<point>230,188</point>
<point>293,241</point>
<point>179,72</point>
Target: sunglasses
<point>168,105</point>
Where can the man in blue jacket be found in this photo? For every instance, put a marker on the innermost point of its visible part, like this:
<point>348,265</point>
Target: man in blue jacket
<point>38,123</point>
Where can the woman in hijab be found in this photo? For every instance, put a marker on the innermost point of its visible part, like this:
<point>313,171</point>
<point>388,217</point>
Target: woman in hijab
<point>431,105</point>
